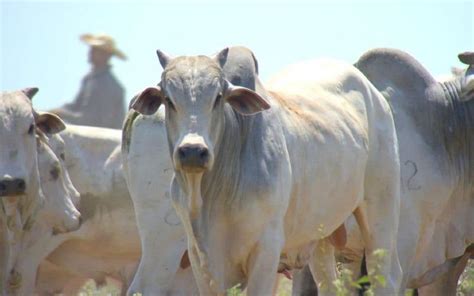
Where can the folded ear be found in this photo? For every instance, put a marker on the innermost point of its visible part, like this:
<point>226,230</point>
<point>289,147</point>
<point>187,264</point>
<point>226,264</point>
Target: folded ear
<point>468,89</point>
<point>244,100</point>
<point>49,123</point>
<point>466,57</point>
<point>148,101</point>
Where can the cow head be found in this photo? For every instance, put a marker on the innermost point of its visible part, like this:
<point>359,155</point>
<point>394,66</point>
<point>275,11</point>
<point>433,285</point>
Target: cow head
<point>18,167</point>
<point>59,212</point>
<point>196,96</point>
<point>17,145</point>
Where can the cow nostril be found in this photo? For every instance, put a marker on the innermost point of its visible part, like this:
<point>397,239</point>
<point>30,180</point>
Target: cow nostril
<point>204,154</point>
<point>181,153</point>
<point>21,185</point>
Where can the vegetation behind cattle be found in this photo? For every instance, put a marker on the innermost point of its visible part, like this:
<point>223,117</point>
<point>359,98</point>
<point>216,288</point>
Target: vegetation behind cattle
<point>466,282</point>
<point>465,286</point>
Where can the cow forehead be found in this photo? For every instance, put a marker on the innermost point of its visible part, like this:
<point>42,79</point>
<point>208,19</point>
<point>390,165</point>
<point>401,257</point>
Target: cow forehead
<point>15,108</point>
<point>195,74</point>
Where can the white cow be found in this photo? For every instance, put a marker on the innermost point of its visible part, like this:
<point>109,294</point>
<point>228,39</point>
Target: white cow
<point>251,186</point>
<point>107,243</point>
<point>434,122</point>
<point>163,267</point>
<point>19,178</point>
<point>21,195</point>
<point>58,215</point>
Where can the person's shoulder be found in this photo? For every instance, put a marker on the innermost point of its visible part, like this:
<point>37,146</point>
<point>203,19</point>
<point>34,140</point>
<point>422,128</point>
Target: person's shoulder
<point>112,79</point>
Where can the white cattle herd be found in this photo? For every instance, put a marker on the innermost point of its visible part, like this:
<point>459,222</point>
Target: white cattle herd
<point>218,180</point>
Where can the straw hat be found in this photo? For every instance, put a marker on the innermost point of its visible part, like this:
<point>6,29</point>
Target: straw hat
<point>104,42</point>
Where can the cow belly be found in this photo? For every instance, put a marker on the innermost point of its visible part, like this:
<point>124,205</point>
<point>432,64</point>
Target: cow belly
<point>322,202</point>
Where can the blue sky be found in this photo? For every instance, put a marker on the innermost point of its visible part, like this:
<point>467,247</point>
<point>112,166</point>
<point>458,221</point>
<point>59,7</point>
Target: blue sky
<point>40,40</point>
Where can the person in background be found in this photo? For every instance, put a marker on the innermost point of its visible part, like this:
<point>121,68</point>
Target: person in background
<point>100,101</point>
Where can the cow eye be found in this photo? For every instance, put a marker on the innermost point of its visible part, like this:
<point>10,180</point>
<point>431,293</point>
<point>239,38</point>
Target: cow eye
<point>62,156</point>
<point>31,129</point>
<point>55,171</point>
<point>169,103</point>
<point>217,100</point>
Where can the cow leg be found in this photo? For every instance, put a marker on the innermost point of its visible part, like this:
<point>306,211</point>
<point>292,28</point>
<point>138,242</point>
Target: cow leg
<point>378,221</point>
<point>441,286</point>
<point>447,283</point>
<point>4,253</point>
<point>161,251</point>
<point>303,283</point>
<point>263,262</point>
<point>203,281</point>
<point>323,267</point>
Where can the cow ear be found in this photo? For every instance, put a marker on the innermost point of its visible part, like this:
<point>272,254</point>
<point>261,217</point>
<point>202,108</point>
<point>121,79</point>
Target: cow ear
<point>163,58</point>
<point>49,123</point>
<point>244,100</point>
<point>466,57</point>
<point>221,57</point>
<point>148,101</point>
<point>30,92</point>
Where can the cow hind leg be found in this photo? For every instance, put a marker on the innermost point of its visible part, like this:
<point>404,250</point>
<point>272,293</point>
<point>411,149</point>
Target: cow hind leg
<point>446,284</point>
<point>377,217</point>
<point>303,283</point>
<point>323,267</point>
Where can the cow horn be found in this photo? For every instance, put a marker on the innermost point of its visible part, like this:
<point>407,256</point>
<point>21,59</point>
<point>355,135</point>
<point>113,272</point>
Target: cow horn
<point>163,57</point>
<point>30,92</point>
<point>221,57</point>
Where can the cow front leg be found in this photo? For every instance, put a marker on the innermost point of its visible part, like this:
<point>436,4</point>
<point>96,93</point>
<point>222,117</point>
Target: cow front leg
<point>263,263</point>
<point>204,280</point>
<point>161,250</point>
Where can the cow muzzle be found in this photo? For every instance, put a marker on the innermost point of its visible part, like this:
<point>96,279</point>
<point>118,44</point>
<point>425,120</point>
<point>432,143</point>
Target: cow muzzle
<point>193,158</point>
<point>72,225</point>
<point>12,186</point>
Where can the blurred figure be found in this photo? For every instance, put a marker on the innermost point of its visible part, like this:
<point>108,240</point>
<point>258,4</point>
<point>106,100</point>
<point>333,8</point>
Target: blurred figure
<point>100,101</point>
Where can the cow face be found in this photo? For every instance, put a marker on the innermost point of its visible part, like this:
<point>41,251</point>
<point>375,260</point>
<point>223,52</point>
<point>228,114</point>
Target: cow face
<point>17,144</point>
<point>59,211</point>
<point>57,144</point>
<point>197,97</point>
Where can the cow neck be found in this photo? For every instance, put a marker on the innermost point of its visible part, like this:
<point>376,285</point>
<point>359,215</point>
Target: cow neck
<point>460,140</point>
<point>224,178</point>
<point>222,181</point>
